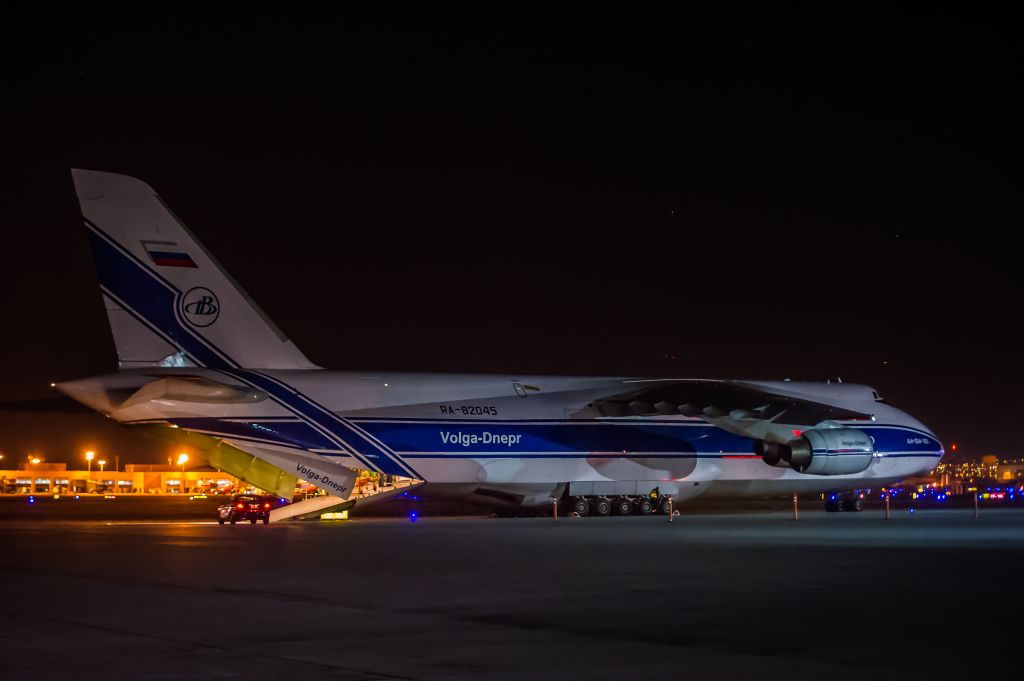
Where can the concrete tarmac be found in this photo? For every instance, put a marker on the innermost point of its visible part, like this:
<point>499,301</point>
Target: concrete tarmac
<point>832,596</point>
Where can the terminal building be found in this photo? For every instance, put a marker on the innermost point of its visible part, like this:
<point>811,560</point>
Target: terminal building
<point>1010,471</point>
<point>55,478</point>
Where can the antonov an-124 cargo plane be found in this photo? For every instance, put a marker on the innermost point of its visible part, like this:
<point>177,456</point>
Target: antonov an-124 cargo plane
<point>200,362</point>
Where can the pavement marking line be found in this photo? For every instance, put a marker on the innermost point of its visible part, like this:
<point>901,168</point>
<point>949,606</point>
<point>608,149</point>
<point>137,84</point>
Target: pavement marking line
<point>227,649</point>
<point>114,523</point>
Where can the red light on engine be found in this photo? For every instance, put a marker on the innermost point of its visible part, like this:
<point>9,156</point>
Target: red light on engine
<point>797,433</point>
<point>266,505</point>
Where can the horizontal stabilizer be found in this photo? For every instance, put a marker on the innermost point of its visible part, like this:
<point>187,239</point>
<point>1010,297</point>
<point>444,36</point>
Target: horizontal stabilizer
<point>192,389</point>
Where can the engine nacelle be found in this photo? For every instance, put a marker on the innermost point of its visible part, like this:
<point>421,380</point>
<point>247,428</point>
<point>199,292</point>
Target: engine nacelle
<point>830,451</point>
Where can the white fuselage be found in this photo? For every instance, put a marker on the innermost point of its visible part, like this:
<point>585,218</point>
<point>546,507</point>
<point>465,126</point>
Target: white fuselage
<point>531,434</point>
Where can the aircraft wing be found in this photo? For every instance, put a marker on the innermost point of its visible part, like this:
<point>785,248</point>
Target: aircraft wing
<point>738,407</point>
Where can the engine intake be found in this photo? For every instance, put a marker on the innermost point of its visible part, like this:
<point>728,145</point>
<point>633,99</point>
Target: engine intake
<point>826,451</point>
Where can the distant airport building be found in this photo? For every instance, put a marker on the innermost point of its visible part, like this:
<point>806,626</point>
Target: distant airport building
<point>1006,472</point>
<point>55,478</point>
<point>142,478</point>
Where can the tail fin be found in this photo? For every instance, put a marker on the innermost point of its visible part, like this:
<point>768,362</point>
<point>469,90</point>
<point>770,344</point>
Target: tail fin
<point>169,302</point>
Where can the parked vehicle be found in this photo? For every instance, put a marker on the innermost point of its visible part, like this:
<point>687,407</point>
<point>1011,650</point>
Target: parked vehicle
<point>249,507</point>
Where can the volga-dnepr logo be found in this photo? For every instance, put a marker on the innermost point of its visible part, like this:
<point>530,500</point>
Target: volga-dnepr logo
<point>199,306</point>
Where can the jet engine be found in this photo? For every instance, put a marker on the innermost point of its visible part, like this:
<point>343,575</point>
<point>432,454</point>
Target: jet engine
<point>824,451</point>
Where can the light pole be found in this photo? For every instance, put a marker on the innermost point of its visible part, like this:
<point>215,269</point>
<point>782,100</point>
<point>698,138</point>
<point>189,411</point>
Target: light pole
<point>33,460</point>
<point>182,459</point>
<point>102,464</point>
<point>89,456</point>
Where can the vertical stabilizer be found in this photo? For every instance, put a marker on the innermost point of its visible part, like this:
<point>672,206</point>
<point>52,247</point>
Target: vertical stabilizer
<point>168,301</point>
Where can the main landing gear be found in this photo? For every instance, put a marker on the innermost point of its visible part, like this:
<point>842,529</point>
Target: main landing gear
<point>618,505</point>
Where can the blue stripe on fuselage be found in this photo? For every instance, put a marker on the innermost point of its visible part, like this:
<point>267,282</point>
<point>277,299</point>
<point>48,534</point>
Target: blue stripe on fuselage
<point>566,439</point>
<point>412,437</point>
<point>295,433</point>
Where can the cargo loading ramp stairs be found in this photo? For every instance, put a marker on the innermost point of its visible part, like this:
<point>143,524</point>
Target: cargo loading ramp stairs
<point>314,507</point>
<point>268,471</point>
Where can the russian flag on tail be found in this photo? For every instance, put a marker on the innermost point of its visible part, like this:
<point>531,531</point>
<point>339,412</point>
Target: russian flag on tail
<point>167,254</point>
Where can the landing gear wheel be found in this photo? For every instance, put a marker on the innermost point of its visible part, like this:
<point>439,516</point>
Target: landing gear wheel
<point>663,506</point>
<point>266,520</point>
<point>580,506</point>
<point>622,506</point>
<point>220,520</point>
<point>233,520</point>
<point>601,507</point>
<point>644,507</point>
<point>252,521</point>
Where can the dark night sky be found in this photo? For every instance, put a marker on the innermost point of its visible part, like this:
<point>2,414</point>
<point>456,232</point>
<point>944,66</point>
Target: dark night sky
<point>743,195</point>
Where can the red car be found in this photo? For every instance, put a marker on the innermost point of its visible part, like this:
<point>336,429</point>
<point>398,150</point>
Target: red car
<point>249,507</point>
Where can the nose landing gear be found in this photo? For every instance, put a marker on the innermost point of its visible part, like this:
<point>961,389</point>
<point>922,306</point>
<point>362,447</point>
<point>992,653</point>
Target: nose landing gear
<point>844,501</point>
